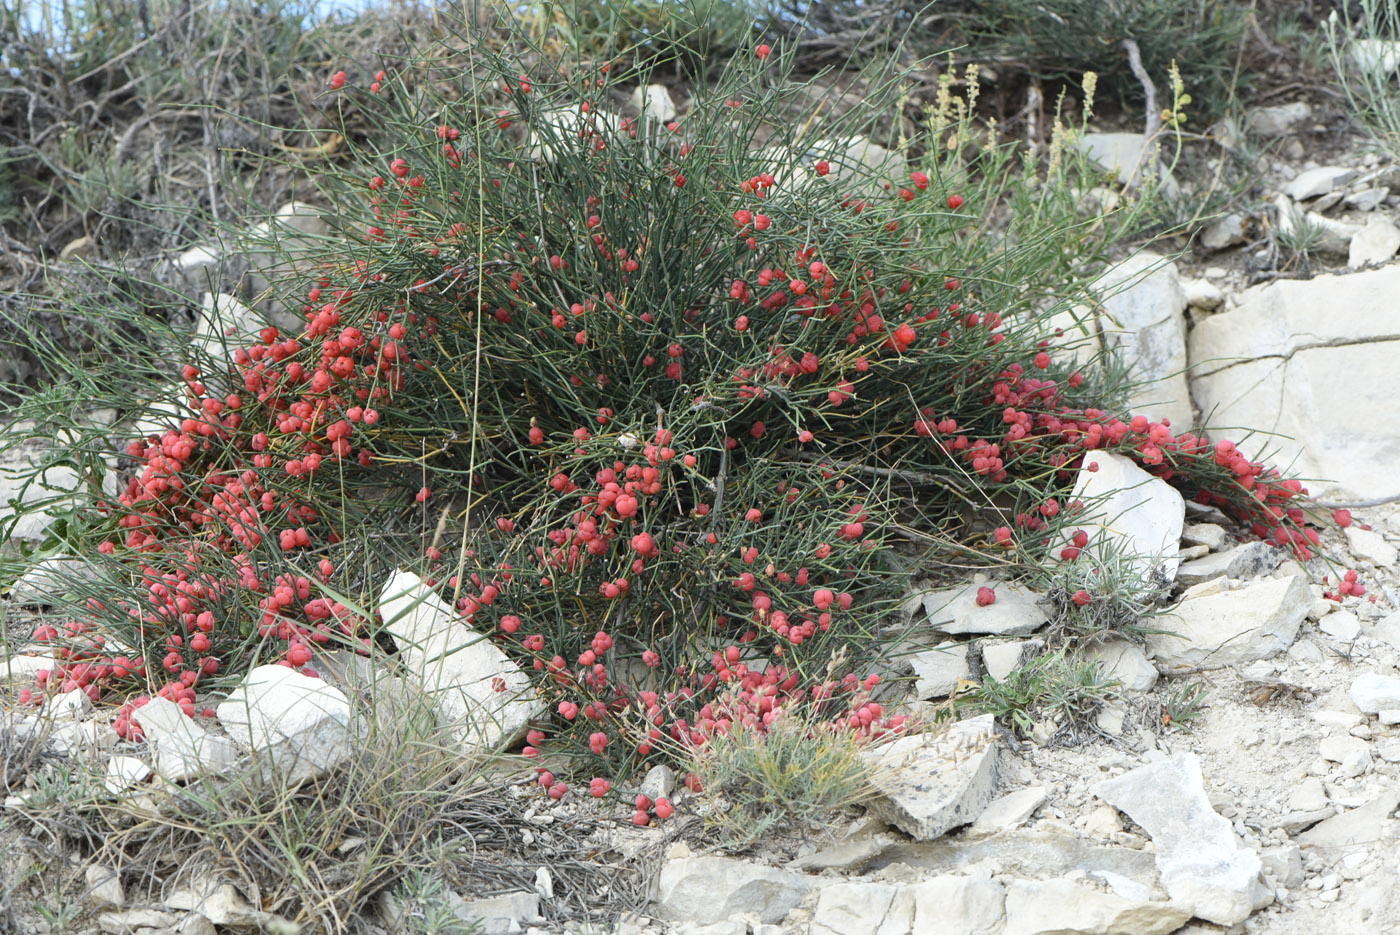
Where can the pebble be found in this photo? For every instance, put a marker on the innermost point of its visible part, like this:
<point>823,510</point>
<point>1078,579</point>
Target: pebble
<point>1341,625</point>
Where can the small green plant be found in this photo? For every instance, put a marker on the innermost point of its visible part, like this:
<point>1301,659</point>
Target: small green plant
<point>57,907</point>
<point>1298,238</point>
<point>1182,705</point>
<point>427,910</point>
<point>1098,596</point>
<point>795,775</point>
<point>1059,688</point>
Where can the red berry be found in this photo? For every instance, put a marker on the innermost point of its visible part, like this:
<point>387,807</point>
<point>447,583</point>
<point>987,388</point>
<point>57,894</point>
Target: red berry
<point>986,596</point>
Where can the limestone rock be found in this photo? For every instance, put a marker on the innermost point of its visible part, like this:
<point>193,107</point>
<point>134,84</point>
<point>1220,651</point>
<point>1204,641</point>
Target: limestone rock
<point>1063,907</point>
<point>46,580</point>
<point>947,905</point>
<point>1209,535</point>
<point>223,905</point>
<point>1255,622</point>
<point>1223,232</point>
<point>1374,244</point>
<point>863,909</point>
<point>54,486</point>
<point>712,889</point>
<point>1016,612</point>
<point>1128,663</point>
<point>655,102</point>
<point>1374,693</point>
<point>658,783</point>
<point>300,726</point>
<point>1129,510</point>
<point>104,887</point>
<point>1311,183</point>
<point>938,670</point>
<point>1247,560</point>
<point>1002,657</point>
<point>1143,320</point>
<point>958,905</point>
<point>183,748</point>
<point>277,249</point>
<point>1368,199</point>
<point>930,783</point>
<point>1334,236</point>
<point>458,667</point>
<point>125,773</point>
<point>1128,157</point>
<point>1203,868</point>
<point>134,921</point>
<point>1341,625</point>
<point>500,915</point>
<point>1010,811</point>
<point>1284,863</point>
<point>21,669</point>
<point>225,324</point>
<point>856,161</point>
<point>1279,120</point>
<point>1202,294</point>
<point>1374,55</point>
<point>1370,545</point>
<point>1299,363</point>
<point>71,705</point>
<point>1368,824</point>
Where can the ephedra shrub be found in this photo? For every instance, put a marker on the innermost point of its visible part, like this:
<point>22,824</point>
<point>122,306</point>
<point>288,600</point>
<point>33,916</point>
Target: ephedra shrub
<point>667,411</point>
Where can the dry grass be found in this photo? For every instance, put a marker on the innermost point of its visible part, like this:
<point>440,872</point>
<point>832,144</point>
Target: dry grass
<point>410,802</point>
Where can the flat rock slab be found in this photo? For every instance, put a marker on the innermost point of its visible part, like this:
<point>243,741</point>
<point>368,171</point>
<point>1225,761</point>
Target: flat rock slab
<point>300,725</point>
<point>946,905</point>
<point>712,889</point>
<point>1248,560</point>
<point>1299,362</point>
<point>931,783</point>
<point>1372,693</point>
<point>470,680</point>
<point>47,580</point>
<point>1368,824</point>
<point>1128,510</point>
<point>1126,662</point>
<point>938,670</point>
<point>1062,907</point>
<point>1144,318</point>
<point>1016,612</point>
<point>1311,183</point>
<point>1254,622</point>
<point>1203,867</point>
<point>183,748</point>
<point>1010,811</point>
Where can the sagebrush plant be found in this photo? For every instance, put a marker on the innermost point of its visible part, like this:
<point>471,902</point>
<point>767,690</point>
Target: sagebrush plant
<point>1062,689</point>
<point>667,411</point>
<point>1362,50</point>
<point>791,777</point>
<point>1114,595</point>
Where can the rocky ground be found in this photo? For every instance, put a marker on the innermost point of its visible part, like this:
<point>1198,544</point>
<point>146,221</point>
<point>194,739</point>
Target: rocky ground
<point>1245,779</point>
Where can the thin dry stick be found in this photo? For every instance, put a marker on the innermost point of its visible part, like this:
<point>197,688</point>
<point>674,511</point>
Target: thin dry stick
<point>1154,116</point>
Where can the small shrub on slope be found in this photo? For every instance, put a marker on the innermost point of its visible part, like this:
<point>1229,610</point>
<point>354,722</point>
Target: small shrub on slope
<point>664,410</point>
